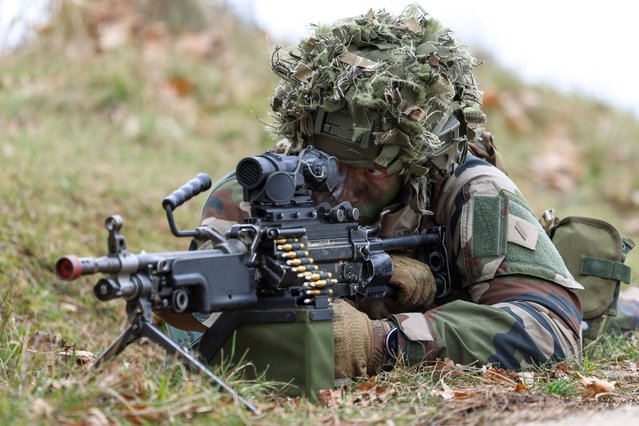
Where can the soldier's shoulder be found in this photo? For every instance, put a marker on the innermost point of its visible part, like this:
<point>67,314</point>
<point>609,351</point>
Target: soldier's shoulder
<point>475,169</point>
<point>225,200</point>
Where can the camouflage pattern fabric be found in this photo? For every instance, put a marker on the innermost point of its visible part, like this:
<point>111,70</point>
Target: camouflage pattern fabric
<point>491,230</point>
<point>627,319</point>
<point>517,307</point>
<point>225,206</point>
<point>515,322</point>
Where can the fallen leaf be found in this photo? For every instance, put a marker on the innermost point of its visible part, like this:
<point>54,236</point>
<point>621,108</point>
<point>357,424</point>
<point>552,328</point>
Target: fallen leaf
<point>463,394</point>
<point>367,385</point>
<point>141,413</point>
<point>446,392</point>
<point>561,370</point>
<point>520,387</point>
<point>330,397</point>
<point>526,377</point>
<point>499,375</point>
<point>68,307</point>
<point>369,392</point>
<point>81,357</point>
<point>181,86</point>
<point>594,387</point>
<point>446,367</point>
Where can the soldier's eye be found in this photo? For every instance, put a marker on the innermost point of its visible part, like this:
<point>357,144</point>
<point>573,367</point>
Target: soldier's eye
<point>375,172</point>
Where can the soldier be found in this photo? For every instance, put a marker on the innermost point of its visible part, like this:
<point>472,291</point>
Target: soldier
<point>395,100</point>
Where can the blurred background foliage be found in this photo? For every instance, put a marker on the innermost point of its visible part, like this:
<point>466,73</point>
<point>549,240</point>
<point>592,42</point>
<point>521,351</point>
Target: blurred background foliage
<point>116,103</point>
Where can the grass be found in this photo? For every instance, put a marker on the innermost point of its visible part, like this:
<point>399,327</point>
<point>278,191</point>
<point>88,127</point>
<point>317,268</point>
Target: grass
<point>116,131</point>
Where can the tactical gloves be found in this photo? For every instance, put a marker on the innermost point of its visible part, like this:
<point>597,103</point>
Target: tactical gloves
<point>415,282</point>
<point>359,341</point>
<point>415,289</point>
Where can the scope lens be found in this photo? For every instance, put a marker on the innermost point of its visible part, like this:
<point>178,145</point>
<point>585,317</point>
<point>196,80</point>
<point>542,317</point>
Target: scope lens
<point>249,173</point>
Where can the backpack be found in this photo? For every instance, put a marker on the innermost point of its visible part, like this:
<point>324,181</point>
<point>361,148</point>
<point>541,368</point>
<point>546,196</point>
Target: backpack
<point>594,252</point>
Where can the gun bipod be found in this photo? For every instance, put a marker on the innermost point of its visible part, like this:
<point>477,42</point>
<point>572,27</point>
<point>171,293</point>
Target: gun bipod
<point>141,326</point>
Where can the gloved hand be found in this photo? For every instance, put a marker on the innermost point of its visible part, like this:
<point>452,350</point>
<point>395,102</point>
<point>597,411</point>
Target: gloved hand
<point>359,341</point>
<point>416,289</point>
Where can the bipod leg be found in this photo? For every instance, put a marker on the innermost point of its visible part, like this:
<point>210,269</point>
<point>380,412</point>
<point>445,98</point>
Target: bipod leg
<point>129,336</point>
<point>153,333</point>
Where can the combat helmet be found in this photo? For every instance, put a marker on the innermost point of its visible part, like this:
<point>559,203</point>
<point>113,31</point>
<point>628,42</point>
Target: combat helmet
<point>379,91</point>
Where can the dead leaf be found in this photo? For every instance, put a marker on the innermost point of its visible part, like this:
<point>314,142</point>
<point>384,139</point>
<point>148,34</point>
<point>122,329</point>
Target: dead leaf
<point>490,99</point>
<point>520,387</point>
<point>443,367</point>
<point>69,307</point>
<point>499,375</point>
<point>562,370</point>
<point>141,413</point>
<point>594,387</point>
<point>526,377</point>
<point>367,385</point>
<point>81,357</point>
<point>330,397</point>
<point>181,86</point>
<point>446,367</point>
<point>446,392</point>
<point>463,394</point>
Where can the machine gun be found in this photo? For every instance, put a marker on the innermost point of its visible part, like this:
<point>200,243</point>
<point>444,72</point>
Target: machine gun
<point>290,256</point>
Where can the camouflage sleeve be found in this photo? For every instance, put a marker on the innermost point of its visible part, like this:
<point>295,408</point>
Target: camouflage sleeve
<point>225,206</point>
<point>505,326</point>
<point>627,318</point>
<point>521,309</point>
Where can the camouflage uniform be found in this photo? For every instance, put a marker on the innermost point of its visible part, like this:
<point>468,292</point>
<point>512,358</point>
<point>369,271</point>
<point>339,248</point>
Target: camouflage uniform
<point>514,303</point>
<point>396,95</point>
<point>627,319</point>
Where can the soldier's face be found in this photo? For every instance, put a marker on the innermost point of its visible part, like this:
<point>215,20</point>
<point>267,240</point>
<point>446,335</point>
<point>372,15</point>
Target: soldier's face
<point>368,190</point>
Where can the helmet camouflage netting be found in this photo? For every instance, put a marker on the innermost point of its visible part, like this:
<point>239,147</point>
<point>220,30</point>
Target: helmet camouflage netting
<point>399,77</point>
